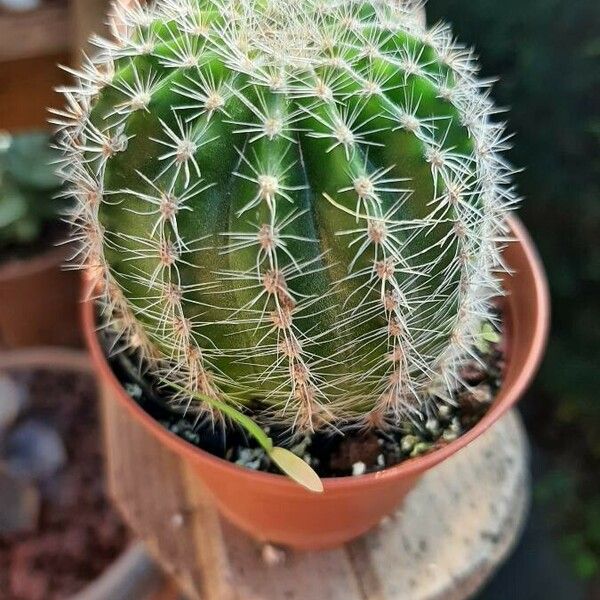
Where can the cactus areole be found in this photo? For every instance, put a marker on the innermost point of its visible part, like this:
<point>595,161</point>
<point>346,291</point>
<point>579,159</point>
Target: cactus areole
<point>292,207</point>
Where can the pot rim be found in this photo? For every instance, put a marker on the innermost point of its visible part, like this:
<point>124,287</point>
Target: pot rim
<point>407,468</point>
<point>19,268</point>
<point>46,357</point>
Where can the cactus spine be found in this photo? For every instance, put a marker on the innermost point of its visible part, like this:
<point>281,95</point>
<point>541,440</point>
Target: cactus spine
<point>295,206</point>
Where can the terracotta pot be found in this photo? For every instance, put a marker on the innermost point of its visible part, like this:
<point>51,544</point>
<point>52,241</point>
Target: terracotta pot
<point>38,302</point>
<point>272,508</point>
<point>133,574</point>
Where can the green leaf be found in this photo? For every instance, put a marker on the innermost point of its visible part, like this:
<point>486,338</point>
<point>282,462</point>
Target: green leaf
<point>489,334</point>
<point>289,464</point>
<point>12,208</point>
<point>234,414</point>
<point>29,161</point>
<point>27,230</point>
<point>297,469</point>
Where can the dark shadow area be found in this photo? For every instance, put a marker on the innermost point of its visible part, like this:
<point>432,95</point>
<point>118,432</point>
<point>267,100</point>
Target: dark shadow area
<point>547,56</point>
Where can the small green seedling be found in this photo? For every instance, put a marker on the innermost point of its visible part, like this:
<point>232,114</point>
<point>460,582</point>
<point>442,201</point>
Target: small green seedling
<point>289,464</point>
<point>488,336</point>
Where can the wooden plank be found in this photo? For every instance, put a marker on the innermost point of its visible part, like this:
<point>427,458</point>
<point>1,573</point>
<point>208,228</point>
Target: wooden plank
<point>320,575</point>
<point>452,533</point>
<point>151,496</point>
<point>40,32</point>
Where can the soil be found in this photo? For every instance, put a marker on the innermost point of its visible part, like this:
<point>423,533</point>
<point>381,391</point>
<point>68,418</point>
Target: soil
<point>333,455</point>
<point>78,534</point>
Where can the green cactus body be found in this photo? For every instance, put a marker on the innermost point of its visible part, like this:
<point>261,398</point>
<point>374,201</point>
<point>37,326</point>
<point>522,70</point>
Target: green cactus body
<point>295,204</point>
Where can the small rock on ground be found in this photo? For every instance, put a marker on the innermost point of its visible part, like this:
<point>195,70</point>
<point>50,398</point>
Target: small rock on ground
<point>34,450</point>
<point>12,400</point>
<point>19,504</point>
<point>273,556</point>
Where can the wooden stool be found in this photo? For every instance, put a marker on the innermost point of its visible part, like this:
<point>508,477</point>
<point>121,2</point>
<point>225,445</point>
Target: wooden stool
<point>453,531</point>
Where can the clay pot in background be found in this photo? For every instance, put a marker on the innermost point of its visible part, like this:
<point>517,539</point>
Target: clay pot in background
<point>133,575</point>
<point>273,508</point>
<point>39,301</point>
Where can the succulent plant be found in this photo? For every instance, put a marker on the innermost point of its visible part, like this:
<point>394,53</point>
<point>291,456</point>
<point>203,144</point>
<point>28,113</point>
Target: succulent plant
<point>292,207</point>
<point>27,185</point>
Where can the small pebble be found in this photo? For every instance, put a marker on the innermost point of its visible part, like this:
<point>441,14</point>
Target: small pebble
<point>432,425</point>
<point>134,390</point>
<point>386,522</point>
<point>420,448</point>
<point>35,451</point>
<point>444,411</point>
<point>408,442</point>
<point>177,521</point>
<point>482,393</point>
<point>19,504</point>
<point>449,436</point>
<point>455,426</point>
<point>272,556</point>
<point>300,448</point>
<point>12,399</point>
<point>358,468</point>
<point>250,458</point>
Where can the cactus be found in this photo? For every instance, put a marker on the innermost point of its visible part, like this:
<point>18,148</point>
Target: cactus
<point>295,208</point>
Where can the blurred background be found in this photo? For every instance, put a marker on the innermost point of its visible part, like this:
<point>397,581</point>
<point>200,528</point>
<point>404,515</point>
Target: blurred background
<point>546,54</point>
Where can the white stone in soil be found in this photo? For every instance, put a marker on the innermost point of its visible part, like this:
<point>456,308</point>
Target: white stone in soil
<point>273,556</point>
<point>34,451</point>
<point>250,457</point>
<point>359,468</point>
<point>12,400</point>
